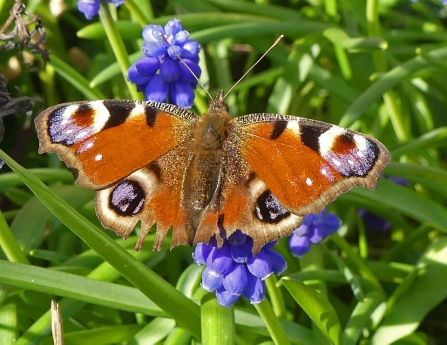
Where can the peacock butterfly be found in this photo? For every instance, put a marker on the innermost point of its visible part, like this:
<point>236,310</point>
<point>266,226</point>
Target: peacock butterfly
<point>159,163</point>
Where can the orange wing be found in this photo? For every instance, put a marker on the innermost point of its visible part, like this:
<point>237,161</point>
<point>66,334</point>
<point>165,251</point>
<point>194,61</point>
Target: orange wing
<point>280,168</point>
<point>305,163</point>
<point>133,153</point>
<point>151,195</point>
<point>105,141</point>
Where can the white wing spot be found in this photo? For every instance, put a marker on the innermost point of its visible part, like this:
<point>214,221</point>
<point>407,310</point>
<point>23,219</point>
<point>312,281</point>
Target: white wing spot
<point>336,162</point>
<point>85,146</point>
<point>309,181</point>
<point>98,157</point>
<point>327,139</point>
<point>360,154</point>
<point>350,162</point>
<point>294,127</point>
<point>323,171</point>
<point>81,134</point>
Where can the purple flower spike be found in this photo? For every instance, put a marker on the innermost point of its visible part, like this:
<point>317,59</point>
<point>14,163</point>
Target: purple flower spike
<point>90,8</point>
<point>279,264</point>
<point>220,259</point>
<point>235,281</point>
<point>299,245</point>
<point>191,50</point>
<point>211,280</point>
<point>226,298</point>
<point>243,273</point>
<point>173,27</point>
<point>147,66</point>
<point>156,89</point>
<point>315,229</point>
<point>169,71</point>
<point>182,94</point>
<point>374,222</point>
<point>237,238</point>
<point>255,289</point>
<point>185,73</point>
<point>260,265</point>
<point>242,253</point>
<point>136,77</point>
<point>201,253</point>
<point>165,45</point>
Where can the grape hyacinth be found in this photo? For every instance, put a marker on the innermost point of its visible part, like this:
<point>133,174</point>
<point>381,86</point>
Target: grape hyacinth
<point>313,230</point>
<point>373,222</point>
<point>90,8</point>
<point>233,270</point>
<point>173,83</point>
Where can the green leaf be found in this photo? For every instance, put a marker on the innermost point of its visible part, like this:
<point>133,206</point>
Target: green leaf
<point>31,223</point>
<point>8,322</point>
<point>155,331</point>
<point>426,292</point>
<point>99,336</point>
<point>316,307</point>
<point>432,178</point>
<point>77,287</point>
<point>74,78</point>
<point>193,22</point>
<point>297,333</point>
<point>182,309</point>
<point>343,40</point>
<point>432,139</point>
<point>386,82</point>
<point>360,317</point>
<point>10,179</point>
<point>405,200</point>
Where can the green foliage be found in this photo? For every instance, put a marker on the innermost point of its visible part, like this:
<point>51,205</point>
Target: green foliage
<point>375,66</point>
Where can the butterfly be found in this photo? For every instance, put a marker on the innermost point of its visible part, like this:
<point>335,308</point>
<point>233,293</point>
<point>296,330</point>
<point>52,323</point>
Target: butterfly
<point>160,164</point>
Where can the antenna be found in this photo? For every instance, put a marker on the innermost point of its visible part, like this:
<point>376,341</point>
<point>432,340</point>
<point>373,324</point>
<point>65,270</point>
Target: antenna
<point>253,66</point>
<point>240,79</point>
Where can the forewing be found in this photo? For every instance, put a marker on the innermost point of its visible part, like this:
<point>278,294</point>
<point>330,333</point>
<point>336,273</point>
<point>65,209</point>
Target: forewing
<point>305,163</point>
<point>104,141</point>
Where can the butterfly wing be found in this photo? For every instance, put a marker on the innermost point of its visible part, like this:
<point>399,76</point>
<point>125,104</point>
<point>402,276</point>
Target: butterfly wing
<point>133,153</point>
<point>287,167</point>
<point>152,194</point>
<point>105,141</point>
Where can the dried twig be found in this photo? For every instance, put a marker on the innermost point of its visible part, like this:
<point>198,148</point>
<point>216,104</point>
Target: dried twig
<point>20,35</point>
<point>9,105</point>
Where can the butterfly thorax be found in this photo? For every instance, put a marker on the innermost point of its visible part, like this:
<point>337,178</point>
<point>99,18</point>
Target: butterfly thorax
<point>204,170</point>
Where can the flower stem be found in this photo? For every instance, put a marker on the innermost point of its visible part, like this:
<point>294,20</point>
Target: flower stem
<point>265,310</point>
<point>9,244</point>
<point>117,45</point>
<point>218,325</point>
<point>143,12</point>
<point>390,97</point>
<point>340,53</point>
<point>275,293</point>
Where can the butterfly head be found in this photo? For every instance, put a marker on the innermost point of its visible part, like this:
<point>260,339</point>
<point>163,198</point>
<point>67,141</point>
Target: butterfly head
<point>218,105</point>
